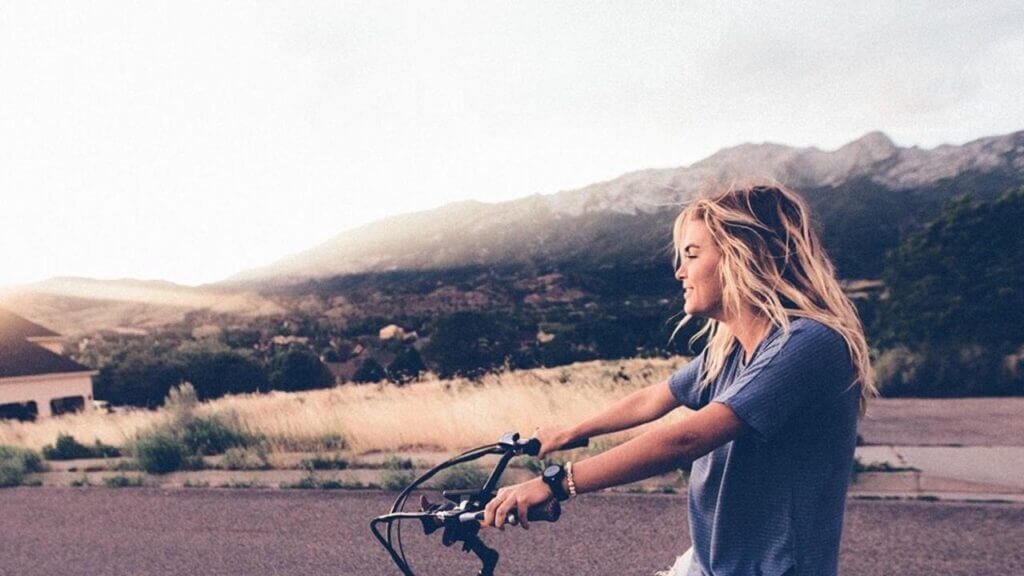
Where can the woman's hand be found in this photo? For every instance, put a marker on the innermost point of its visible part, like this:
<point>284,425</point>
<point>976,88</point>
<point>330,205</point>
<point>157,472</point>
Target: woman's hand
<point>520,497</point>
<point>552,439</point>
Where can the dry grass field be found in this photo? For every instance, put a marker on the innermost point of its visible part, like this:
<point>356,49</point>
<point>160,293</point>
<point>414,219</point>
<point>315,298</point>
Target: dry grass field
<point>443,415</point>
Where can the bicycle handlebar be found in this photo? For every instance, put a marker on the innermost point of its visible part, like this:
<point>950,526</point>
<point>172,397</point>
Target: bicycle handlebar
<point>461,517</point>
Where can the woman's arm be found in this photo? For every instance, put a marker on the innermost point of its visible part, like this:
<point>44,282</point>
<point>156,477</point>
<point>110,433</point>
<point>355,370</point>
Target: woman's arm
<point>640,407</point>
<point>660,450</point>
<point>654,452</point>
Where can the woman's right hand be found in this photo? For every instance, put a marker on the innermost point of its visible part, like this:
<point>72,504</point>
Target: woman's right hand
<point>552,439</point>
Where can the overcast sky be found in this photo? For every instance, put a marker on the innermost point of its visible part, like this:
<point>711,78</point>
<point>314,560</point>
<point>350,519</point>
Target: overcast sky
<point>190,140</point>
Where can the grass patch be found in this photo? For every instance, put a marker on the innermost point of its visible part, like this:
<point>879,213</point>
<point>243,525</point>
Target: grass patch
<point>245,459</point>
<point>125,465</point>
<point>196,484</point>
<point>16,464</point>
<point>324,463</point>
<point>394,462</point>
<point>242,484</point>
<point>396,480</point>
<point>461,477</point>
<point>67,448</point>
<point>344,485</point>
<point>537,466</point>
<point>124,481</point>
<point>307,482</point>
<point>81,482</point>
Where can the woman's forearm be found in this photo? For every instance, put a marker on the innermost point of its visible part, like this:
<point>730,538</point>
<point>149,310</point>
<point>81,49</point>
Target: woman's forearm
<point>660,450</point>
<point>656,452</point>
<point>633,410</point>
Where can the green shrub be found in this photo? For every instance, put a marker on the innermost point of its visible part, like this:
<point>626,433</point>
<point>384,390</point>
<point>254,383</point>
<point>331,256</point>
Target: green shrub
<point>11,473</point>
<point>242,484</point>
<point>67,448</point>
<point>182,442</point>
<point>244,459</point>
<point>124,465</point>
<point>122,481</point>
<point>394,462</point>
<point>333,442</point>
<point>213,435</point>
<point>537,466</point>
<point>463,477</point>
<point>324,463</point>
<point>342,485</point>
<point>307,482</point>
<point>395,480</point>
<point>159,452</point>
<point>15,463</point>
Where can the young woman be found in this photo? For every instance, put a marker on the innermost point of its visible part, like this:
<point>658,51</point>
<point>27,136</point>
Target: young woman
<point>771,403</point>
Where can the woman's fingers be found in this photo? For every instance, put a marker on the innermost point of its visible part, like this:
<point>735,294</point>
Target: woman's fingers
<point>489,512</point>
<point>501,514</point>
<point>522,510</point>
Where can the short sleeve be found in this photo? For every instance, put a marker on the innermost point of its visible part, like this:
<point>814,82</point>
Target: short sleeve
<point>794,377</point>
<point>685,382</point>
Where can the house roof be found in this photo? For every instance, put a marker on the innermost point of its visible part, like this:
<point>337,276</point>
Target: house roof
<point>22,358</point>
<point>16,327</point>
<point>19,357</point>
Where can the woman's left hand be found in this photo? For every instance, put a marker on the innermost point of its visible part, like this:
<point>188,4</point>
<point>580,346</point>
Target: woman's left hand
<point>520,497</point>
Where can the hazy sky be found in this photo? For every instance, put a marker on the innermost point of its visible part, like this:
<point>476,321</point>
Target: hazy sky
<point>190,140</point>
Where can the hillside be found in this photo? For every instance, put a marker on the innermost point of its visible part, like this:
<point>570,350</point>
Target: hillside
<point>867,194</point>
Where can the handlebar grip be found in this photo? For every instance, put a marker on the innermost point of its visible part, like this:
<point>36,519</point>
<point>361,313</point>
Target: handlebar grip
<point>580,443</point>
<point>550,511</point>
<point>532,447</point>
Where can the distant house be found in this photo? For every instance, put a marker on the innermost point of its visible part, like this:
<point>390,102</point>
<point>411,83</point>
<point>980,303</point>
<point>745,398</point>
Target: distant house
<point>35,379</point>
<point>391,332</point>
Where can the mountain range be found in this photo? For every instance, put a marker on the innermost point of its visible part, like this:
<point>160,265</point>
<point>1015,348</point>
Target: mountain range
<point>866,195</point>
<point>608,238</point>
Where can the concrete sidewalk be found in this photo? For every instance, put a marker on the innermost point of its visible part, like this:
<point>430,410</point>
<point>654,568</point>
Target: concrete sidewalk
<point>945,472</point>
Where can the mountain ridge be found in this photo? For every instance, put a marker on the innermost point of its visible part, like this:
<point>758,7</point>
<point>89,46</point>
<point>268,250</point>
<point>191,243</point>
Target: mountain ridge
<point>479,233</point>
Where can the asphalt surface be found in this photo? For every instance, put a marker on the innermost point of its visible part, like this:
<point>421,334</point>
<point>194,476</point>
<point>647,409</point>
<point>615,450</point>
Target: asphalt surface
<point>944,422</point>
<point>143,531</point>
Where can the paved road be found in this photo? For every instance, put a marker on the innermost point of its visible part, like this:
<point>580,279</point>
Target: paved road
<point>944,422</point>
<point>138,532</point>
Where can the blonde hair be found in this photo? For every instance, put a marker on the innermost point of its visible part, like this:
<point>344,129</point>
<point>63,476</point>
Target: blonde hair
<point>771,260</point>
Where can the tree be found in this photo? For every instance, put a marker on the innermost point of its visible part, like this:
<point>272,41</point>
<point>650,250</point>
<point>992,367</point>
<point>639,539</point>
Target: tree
<point>218,373</point>
<point>470,344</point>
<point>138,379</point>
<point>369,371</point>
<point>406,366</point>
<point>294,370</point>
<point>954,315</point>
<point>959,280</point>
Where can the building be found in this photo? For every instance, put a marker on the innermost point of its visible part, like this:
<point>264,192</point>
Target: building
<point>35,379</point>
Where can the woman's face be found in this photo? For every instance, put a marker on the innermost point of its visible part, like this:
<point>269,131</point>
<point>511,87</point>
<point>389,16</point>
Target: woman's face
<point>698,271</point>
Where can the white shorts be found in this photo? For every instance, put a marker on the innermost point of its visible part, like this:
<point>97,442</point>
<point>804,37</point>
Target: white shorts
<point>681,567</point>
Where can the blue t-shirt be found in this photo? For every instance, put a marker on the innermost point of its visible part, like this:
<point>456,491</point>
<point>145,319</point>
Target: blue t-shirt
<point>771,502</point>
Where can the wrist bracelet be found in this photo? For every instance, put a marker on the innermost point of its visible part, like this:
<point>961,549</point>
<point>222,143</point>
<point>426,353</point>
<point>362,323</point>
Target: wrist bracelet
<point>568,477</point>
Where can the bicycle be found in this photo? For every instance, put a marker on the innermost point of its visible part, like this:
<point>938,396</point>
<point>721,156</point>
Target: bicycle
<point>461,516</point>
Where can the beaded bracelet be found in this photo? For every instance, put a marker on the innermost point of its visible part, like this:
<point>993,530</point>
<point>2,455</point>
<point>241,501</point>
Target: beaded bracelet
<point>568,476</point>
